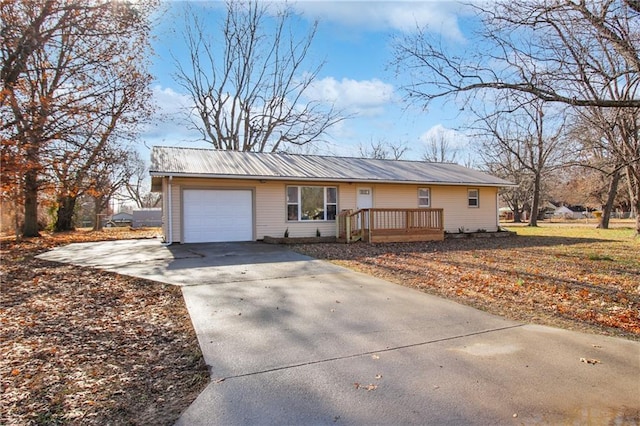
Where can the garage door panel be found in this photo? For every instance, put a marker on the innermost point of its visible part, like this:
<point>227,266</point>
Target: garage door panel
<point>217,215</point>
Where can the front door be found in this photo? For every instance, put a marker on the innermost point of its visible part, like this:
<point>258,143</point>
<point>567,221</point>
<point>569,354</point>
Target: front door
<point>364,200</point>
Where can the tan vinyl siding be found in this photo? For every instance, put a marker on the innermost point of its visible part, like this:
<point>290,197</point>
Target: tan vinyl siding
<point>347,196</point>
<point>457,213</point>
<point>270,204</point>
<point>176,201</point>
<point>453,199</point>
<point>270,210</point>
<point>395,196</point>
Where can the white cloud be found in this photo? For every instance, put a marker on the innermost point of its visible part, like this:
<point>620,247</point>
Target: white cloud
<point>169,126</point>
<point>168,100</point>
<point>454,138</point>
<point>364,97</point>
<point>405,16</point>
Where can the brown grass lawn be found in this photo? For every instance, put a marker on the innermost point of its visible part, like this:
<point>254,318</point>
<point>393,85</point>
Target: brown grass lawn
<point>570,275</point>
<point>81,346</point>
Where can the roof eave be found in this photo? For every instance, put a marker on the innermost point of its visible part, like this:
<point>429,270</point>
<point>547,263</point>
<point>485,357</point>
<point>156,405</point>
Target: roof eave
<point>324,179</point>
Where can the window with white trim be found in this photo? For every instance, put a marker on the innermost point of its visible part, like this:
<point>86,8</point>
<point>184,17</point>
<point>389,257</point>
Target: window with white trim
<point>308,203</point>
<point>424,197</point>
<point>473,198</point>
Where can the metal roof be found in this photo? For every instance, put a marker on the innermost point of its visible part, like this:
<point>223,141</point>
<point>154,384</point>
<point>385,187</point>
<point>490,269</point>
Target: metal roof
<point>199,162</point>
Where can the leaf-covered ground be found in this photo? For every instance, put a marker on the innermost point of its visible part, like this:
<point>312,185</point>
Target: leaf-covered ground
<point>572,277</point>
<point>80,346</point>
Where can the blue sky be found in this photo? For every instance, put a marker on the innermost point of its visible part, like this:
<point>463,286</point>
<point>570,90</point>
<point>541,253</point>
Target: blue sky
<point>354,40</point>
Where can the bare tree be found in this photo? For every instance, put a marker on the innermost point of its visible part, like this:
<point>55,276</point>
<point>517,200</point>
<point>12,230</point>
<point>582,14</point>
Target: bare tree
<point>579,53</point>
<point>529,139</point>
<point>248,84</point>
<point>57,70</point>
<point>138,185</point>
<point>439,148</point>
<point>110,177</point>
<point>383,150</point>
<point>606,148</point>
<point>112,122</point>
<point>506,165</point>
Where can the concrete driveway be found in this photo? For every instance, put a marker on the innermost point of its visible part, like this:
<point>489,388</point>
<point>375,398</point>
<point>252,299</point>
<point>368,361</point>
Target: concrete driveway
<point>293,340</point>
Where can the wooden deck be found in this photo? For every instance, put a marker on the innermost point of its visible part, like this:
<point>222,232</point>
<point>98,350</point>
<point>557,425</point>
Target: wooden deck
<point>390,225</point>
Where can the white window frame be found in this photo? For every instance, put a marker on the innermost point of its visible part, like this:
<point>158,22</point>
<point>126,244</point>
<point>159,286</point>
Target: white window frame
<point>471,197</point>
<point>298,203</point>
<point>421,197</point>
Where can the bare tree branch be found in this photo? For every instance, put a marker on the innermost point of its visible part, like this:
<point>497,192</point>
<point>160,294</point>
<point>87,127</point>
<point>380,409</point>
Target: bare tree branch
<point>248,84</point>
<point>543,48</point>
<point>383,150</point>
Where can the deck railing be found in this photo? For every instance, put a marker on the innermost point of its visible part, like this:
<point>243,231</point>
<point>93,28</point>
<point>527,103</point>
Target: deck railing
<point>390,225</point>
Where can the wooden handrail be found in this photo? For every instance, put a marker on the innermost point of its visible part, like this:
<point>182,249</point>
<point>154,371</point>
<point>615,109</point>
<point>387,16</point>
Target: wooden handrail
<point>367,223</point>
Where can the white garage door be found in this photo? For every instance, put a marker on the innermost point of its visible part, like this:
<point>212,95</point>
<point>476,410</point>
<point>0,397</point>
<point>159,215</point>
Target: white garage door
<point>217,215</point>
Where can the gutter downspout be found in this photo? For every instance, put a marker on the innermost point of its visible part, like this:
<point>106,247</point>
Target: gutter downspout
<point>169,213</point>
<point>497,210</point>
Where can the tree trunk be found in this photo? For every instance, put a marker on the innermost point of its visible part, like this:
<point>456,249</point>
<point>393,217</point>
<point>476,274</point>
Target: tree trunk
<point>606,211</point>
<point>634,196</point>
<point>636,207</point>
<point>517,213</point>
<point>99,205</point>
<point>97,226</point>
<point>66,208</point>
<point>517,216</point>
<point>30,227</point>
<point>533,220</point>
<point>16,222</point>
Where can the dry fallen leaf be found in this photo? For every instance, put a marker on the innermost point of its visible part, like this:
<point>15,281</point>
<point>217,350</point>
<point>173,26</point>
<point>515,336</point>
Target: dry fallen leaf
<point>369,387</point>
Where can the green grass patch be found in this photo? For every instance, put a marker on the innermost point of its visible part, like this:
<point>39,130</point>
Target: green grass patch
<point>586,243</point>
<point>596,256</point>
<point>576,231</point>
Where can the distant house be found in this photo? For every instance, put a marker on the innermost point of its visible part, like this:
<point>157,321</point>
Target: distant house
<point>147,218</point>
<point>577,212</point>
<point>211,195</point>
<point>120,219</point>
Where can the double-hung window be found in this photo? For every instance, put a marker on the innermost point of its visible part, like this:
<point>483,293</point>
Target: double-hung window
<point>424,197</point>
<point>307,203</point>
<point>473,197</point>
